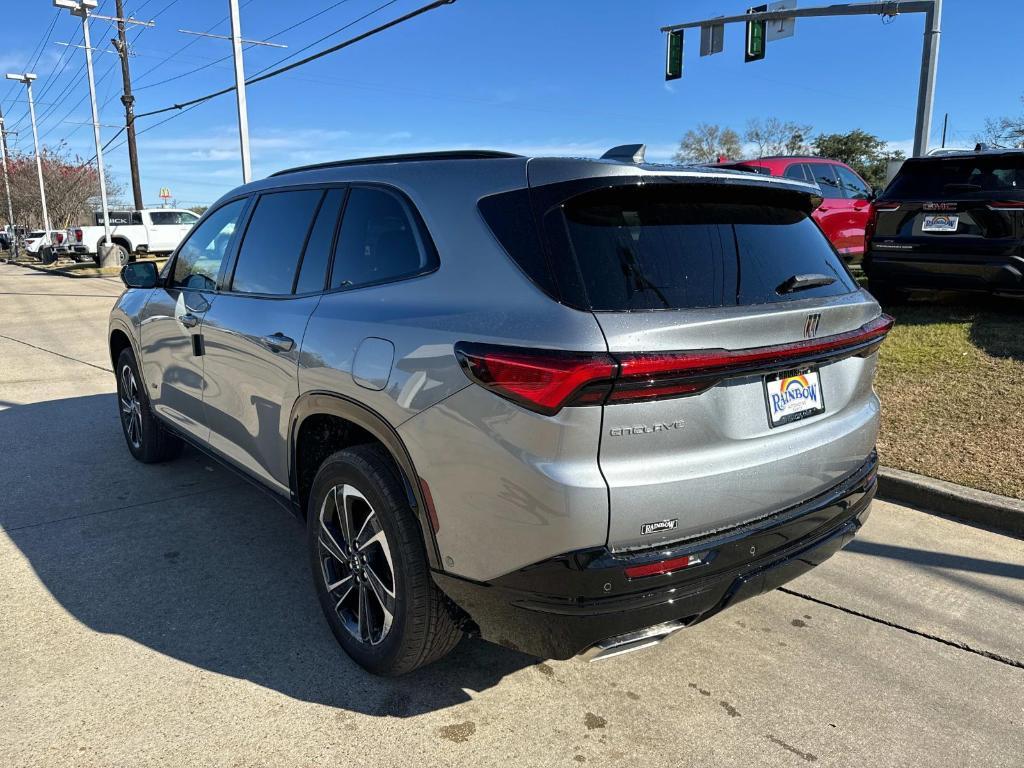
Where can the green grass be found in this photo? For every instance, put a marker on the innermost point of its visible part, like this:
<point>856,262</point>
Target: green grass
<point>951,380</point>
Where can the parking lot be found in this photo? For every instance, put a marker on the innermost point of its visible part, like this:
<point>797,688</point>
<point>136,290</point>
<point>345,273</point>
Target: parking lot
<point>166,610</point>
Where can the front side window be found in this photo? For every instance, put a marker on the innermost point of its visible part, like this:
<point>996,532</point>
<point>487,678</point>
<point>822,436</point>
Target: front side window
<point>852,184</point>
<point>269,255</point>
<point>200,256</point>
<point>379,241</point>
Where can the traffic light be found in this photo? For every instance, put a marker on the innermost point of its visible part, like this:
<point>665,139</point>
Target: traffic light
<point>756,34</point>
<point>674,55</point>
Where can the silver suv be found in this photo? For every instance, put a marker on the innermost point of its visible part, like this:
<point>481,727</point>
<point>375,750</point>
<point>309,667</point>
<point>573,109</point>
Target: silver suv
<point>566,405</point>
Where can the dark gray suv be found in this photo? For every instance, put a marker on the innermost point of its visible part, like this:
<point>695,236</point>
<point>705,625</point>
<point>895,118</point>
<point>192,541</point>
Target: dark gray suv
<point>568,405</point>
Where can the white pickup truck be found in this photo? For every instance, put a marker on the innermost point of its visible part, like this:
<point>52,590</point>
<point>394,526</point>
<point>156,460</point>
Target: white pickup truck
<point>149,231</point>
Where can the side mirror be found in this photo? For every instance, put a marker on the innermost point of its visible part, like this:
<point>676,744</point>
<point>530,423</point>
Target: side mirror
<point>139,274</point>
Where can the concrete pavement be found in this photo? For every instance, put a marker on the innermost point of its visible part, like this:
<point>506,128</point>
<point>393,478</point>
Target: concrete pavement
<point>164,615</point>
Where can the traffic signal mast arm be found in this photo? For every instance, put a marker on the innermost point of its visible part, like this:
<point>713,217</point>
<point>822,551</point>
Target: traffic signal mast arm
<point>888,8</point>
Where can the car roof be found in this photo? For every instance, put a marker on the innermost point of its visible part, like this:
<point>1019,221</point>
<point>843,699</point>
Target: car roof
<point>538,169</point>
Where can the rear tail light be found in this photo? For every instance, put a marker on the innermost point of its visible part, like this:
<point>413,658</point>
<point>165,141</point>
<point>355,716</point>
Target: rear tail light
<point>872,223</point>
<point>78,235</point>
<point>545,381</point>
<point>1006,205</point>
<point>58,237</point>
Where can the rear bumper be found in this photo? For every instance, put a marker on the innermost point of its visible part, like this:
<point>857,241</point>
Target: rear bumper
<point>563,606</point>
<point>978,272</point>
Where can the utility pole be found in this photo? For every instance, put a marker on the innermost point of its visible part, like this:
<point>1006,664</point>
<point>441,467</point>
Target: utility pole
<point>782,12</point>
<point>26,78</point>
<point>121,45</point>
<point>81,9</point>
<point>7,186</point>
<point>243,113</point>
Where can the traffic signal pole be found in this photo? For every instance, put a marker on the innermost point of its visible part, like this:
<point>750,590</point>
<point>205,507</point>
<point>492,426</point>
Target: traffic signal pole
<point>932,9</point>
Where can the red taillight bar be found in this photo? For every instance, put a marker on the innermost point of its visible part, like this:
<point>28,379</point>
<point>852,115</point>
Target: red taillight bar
<point>663,566</point>
<point>547,380</point>
<point>1006,205</point>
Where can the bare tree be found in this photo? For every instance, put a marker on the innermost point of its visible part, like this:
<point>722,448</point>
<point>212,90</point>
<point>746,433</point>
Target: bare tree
<point>707,143</point>
<point>72,189</point>
<point>1006,131</point>
<point>775,137</point>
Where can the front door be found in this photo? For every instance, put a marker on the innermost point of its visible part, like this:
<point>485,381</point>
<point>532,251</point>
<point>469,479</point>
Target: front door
<point>172,323</point>
<point>253,334</point>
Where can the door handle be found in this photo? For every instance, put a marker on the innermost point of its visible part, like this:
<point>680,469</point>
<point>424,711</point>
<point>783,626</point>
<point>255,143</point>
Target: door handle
<point>189,320</point>
<point>278,342</point>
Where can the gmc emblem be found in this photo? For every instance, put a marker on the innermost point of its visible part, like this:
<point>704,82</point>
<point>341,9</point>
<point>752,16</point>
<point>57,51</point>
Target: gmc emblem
<point>811,325</point>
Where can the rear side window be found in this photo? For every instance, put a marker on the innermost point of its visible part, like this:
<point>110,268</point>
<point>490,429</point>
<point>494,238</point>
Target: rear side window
<point>659,246</point>
<point>313,272</point>
<point>379,241</point>
<point>273,242</point>
<point>797,171</point>
<point>1000,176</point>
<point>825,176</point>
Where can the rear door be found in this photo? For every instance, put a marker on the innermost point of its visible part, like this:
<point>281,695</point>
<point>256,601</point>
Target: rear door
<point>253,334</point>
<point>674,271</point>
<point>858,209</point>
<point>833,215</point>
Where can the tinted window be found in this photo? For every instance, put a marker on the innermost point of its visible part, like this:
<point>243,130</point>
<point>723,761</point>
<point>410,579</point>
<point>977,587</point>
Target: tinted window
<point>852,184</point>
<point>510,217</point>
<point>269,255</point>
<point>960,177</point>
<point>378,241</point>
<point>172,217</point>
<point>659,247</point>
<point>313,272</point>
<point>825,176</point>
<point>796,171</point>
<point>119,218</point>
<point>198,262</point>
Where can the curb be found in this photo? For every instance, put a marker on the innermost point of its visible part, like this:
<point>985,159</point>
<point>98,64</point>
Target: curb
<point>980,507</point>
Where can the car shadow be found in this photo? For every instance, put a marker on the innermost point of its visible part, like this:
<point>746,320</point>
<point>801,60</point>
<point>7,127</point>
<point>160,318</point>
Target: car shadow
<point>186,559</point>
<point>995,321</point>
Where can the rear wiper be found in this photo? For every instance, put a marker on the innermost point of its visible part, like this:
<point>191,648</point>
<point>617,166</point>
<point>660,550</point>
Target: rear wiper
<point>803,282</point>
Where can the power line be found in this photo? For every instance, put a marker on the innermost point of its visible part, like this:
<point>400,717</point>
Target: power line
<point>214,62</point>
<point>265,75</point>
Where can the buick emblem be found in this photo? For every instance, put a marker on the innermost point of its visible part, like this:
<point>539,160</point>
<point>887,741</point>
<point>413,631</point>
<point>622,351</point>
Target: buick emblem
<point>811,325</point>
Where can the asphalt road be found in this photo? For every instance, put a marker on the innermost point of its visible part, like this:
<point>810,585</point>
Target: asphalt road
<point>163,615</point>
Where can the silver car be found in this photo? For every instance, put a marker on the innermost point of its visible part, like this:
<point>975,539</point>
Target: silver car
<point>567,405</point>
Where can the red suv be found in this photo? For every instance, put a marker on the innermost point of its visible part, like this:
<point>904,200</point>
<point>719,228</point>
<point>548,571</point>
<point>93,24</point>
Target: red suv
<point>844,212</point>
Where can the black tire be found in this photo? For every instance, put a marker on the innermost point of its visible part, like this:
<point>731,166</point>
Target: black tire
<point>886,293</point>
<point>422,629</point>
<point>146,438</point>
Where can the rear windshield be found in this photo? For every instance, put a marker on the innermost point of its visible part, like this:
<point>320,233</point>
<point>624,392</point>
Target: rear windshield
<point>671,246</point>
<point>999,176</point>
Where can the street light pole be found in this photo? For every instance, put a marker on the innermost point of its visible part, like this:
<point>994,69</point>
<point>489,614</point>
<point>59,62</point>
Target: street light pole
<point>26,79</point>
<point>243,114</point>
<point>926,90</point>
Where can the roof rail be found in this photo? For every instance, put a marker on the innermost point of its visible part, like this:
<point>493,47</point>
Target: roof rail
<point>412,157</point>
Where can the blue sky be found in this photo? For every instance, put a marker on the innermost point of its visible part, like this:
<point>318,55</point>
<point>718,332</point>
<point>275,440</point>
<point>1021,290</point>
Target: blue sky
<point>536,76</point>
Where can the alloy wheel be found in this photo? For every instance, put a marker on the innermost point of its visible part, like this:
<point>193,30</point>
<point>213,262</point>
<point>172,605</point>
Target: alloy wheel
<point>356,564</point>
<point>131,408</point>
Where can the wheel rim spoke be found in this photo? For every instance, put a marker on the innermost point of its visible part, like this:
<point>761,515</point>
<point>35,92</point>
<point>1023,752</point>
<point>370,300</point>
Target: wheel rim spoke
<point>358,569</point>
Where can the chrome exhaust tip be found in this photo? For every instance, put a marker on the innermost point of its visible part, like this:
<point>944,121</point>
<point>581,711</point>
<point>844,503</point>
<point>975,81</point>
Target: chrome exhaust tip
<point>631,641</point>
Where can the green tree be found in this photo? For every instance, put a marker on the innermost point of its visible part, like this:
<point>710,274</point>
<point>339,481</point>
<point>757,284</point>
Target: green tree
<point>862,151</point>
<point>708,142</point>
